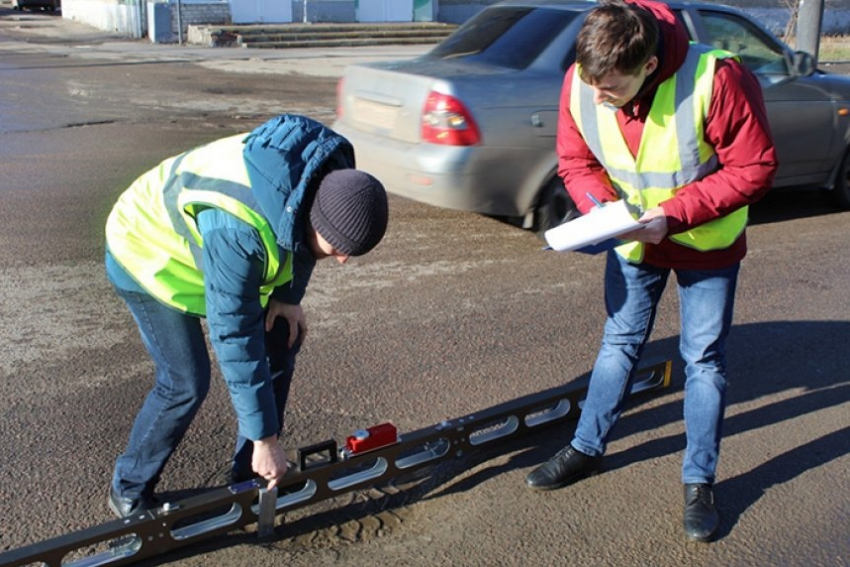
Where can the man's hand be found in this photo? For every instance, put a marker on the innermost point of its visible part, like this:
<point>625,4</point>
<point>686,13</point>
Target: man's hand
<point>654,228</point>
<point>269,460</point>
<point>293,314</point>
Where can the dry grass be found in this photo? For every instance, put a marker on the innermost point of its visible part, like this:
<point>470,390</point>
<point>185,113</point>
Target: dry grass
<point>834,48</point>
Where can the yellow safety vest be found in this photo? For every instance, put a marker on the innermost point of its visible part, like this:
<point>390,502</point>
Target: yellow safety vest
<point>152,230</point>
<point>672,152</point>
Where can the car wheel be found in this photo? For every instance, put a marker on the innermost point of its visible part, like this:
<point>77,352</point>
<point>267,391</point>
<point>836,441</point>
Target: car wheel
<point>554,207</point>
<point>840,194</point>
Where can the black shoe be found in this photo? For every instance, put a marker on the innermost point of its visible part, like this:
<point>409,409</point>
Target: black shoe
<point>232,477</point>
<point>568,465</point>
<point>701,519</point>
<point>123,507</point>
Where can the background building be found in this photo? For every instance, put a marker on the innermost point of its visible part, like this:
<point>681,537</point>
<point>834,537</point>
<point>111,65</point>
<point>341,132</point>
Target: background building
<point>166,20</point>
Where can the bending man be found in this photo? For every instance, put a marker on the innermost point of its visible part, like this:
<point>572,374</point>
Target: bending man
<point>231,231</point>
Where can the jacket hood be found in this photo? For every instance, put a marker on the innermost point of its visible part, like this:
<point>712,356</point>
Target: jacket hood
<point>283,158</point>
<point>672,45</point>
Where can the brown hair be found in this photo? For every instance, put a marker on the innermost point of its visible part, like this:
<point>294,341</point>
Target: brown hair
<point>615,37</point>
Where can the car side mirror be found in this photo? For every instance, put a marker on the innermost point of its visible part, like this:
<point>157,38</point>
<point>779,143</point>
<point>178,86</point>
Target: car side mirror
<point>803,63</point>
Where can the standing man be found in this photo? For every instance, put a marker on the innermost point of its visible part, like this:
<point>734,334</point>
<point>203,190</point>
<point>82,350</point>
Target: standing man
<point>231,231</point>
<point>679,131</point>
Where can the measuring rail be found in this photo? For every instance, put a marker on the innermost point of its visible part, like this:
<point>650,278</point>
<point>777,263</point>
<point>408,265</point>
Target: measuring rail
<point>369,457</point>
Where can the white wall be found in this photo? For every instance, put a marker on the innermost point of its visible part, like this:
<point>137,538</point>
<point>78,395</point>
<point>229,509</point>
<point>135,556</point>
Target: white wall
<point>109,15</point>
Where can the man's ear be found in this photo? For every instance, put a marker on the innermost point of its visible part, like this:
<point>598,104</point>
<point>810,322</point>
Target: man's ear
<point>651,64</point>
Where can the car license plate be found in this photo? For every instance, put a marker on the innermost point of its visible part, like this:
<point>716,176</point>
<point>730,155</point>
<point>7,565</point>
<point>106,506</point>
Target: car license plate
<point>373,113</point>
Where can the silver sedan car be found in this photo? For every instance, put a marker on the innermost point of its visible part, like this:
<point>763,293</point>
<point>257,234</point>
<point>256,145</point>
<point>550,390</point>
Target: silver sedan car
<point>471,124</point>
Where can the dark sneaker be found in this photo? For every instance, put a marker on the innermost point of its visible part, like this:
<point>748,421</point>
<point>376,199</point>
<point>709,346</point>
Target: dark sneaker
<point>701,519</point>
<point>568,465</point>
<point>123,507</point>
<point>232,477</point>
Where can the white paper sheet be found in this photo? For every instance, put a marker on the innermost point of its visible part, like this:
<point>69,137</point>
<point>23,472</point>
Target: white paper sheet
<point>599,224</point>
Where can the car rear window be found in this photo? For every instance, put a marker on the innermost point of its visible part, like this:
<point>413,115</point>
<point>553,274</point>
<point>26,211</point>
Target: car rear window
<point>510,36</point>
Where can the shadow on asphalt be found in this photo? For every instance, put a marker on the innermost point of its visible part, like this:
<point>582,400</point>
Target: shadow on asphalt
<point>782,205</point>
<point>741,492</point>
<point>765,359</point>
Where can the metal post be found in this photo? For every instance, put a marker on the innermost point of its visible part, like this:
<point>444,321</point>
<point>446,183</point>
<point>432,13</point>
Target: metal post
<point>265,515</point>
<point>140,14</point>
<point>180,22</point>
<point>809,22</point>
<point>304,10</point>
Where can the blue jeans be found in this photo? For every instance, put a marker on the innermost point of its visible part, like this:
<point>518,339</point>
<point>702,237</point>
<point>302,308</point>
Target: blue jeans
<point>632,293</point>
<point>176,343</point>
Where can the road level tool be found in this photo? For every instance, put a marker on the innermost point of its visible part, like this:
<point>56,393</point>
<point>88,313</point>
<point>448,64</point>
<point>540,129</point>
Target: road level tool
<point>369,457</point>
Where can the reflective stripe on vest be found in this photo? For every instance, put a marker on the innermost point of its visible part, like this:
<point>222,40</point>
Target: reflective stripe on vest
<point>152,230</point>
<point>672,151</point>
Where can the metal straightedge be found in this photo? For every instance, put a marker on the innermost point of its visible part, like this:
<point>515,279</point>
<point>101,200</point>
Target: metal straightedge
<point>222,510</point>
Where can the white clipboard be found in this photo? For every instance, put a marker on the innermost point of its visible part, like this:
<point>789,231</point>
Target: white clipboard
<point>601,223</point>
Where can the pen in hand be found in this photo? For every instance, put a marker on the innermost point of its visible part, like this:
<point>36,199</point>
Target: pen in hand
<point>594,199</point>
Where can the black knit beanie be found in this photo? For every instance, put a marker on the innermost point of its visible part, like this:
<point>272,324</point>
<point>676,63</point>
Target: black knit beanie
<point>350,211</point>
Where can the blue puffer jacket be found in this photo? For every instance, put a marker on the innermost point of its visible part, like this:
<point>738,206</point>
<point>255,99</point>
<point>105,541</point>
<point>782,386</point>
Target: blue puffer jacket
<point>283,156</point>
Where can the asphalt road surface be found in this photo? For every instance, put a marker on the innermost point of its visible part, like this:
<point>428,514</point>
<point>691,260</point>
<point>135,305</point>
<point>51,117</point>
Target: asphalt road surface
<point>452,313</point>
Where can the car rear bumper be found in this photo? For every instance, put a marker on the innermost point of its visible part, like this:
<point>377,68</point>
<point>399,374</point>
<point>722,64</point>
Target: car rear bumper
<point>466,178</point>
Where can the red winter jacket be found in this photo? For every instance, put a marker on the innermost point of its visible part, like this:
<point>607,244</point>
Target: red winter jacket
<point>736,127</point>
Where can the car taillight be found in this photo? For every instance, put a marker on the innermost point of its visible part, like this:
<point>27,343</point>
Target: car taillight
<point>339,102</point>
<point>445,120</point>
